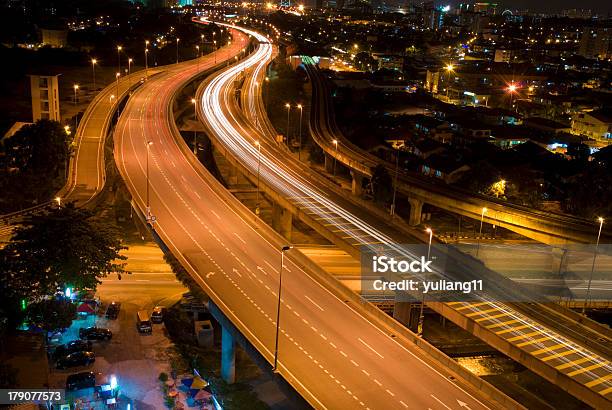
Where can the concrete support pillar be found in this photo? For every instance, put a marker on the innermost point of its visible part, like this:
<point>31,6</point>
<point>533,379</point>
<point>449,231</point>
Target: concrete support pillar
<point>406,311</point>
<point>329,164</point>
<point>357,183</point>
<point>559,261</point>
<point>233,175</point>
<point>281,221</point>
<point>416,207</point>
<point>228,356</point>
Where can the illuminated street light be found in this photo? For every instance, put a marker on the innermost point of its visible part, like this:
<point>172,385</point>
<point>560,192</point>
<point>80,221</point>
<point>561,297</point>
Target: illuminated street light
<point>119,48</point>
<point>130,61</point>
<point>449,69</point>
<point>484,210</point>
<point>430,232</point>
<point>59,201</point>
<point>148,216</point>
<point>195,132</point>
<point>93,69</point>
<point>280,287</point>
<point>588,292</point>
<point>146,53</point>
<point>335,142</point>
<point>67,129</point>
<point>512,89</point>
<point>177,56</point>
<point>117,75</point>
<point>300,107</point>
<point>258,144</point>
<point>288,106</point>
<point>76,89</point>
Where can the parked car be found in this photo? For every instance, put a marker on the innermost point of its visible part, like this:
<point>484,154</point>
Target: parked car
<point>95,333</point>
<point>112,312</point>
<point>157,316</point>
<point>143,322</point>
<point>71,347</point>
<point>76,359</point>
<point>81,380</point>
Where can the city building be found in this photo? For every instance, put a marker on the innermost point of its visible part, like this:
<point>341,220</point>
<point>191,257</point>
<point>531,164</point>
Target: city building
<point>596,42</point>
<point>45,97</point>
<point>595,124</point>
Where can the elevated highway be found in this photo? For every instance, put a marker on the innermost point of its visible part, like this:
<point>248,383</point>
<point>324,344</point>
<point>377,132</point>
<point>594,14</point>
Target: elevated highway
<point>563,347</point>
<point>546,227</point>
<point>337,351</point>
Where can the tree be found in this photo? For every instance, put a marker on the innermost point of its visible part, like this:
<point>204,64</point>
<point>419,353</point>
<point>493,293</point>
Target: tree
<point>51,314</point>
<point>64,247</point>
<point>579,151</point>
<point>382,186</point>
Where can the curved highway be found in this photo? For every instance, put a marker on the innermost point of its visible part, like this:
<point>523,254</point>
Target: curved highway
<point>534,335</point>
<point>334,355</point>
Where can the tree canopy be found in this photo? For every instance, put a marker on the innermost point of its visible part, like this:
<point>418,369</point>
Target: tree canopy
<point>65,247</point>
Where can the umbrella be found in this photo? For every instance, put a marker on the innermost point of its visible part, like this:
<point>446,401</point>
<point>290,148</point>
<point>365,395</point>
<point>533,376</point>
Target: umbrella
<point>198,383</point>
<point>187,381</point>
<point>202,395</point>
<point>85,308</point>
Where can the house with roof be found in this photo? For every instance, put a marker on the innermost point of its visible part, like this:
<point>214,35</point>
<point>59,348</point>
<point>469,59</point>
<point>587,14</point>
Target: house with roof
<point>595,124</point>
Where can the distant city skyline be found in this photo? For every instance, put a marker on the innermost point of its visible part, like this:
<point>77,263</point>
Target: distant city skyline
<point>599,6</point>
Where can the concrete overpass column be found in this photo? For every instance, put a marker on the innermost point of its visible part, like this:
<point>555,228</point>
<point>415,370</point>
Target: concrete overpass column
<point>357,183</point>
<point>406,312</point>
<point>329,164</point>
<point>416,207</point>
<point>281,221</point>
<point>228,356</point>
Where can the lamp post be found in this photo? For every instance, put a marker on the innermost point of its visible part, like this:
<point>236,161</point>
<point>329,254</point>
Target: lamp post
<point>177,57</point>
<point>258,144</point>
<point>195,133</point>
<point>117,75</point>
<point>59,201</point>
<point>119,48</point>
<point>146,53</point>
<point>392,211</point>
<point>288,106</point>
<point>93,70</point>
<point>430,232</point>
<point>280,287</point>
<point>480,231</point>
<point>148,216</point>
<point>449,68</point>
<point>198,58</point>
<point>512,89</point>
<point>229,43</point>
<point>130,61</point>
<point>266,91</point>
<point>588,292</point>
<point>76,89</point>
<point>335,142</point>
<point>422,310</point>
<point>300,134</point>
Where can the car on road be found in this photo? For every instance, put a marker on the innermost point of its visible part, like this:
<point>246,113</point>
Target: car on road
<point>81,380</point>
<point>112,312</point>
<point>71,347</point>
<point>95,333</point>
<point>143,322</point>
<point>157,316</point>
<point>76,359</point>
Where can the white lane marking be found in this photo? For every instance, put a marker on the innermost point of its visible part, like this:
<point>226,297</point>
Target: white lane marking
<point>236,272</point>
<point>440,401</point>
<point>377,382</point>
<point>238,236</point>
<point>271,267</point>
<point>313,302</point>
<point>370,347</point>
<point>403,404</point>
<point>390,392</point>
<point>215,214</point>
<point>343,354</point>
<point>209,274</point>
<point>365,372</point>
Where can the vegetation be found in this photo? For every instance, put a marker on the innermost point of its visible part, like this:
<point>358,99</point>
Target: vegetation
<point>65,247</point>
<point>33,165</point>
<point>51,314</point>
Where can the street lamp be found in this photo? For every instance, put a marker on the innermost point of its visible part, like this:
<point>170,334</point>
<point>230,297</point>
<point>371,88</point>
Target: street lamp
<point>335,142</point>
<point>480,231</point>
<point>449,68</point>
<point>258,144</point>
<point>288,106</point>
<point>195,133</point>
<point>177,57</point>
<point>119,48</point>
<point>588,292</point>
<point>215,52</point>
<point>148,216</point>
<point>130,61</point>
<point>280,287</point>
<point>265,90</point>
<point>117,75</point>
<point>59,201</point>
<point>300,137</point>
<point>93,69</point>
<point>512,89</point>
<point>76,89</point>
<point>146,53</point>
